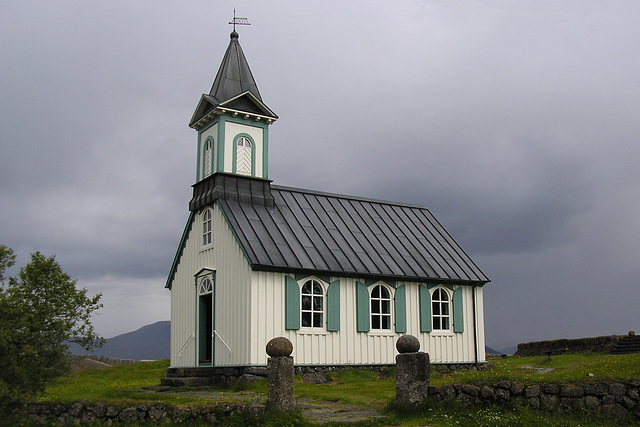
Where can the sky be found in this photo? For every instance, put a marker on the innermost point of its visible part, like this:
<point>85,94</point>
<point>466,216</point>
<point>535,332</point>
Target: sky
<point>516,123</point>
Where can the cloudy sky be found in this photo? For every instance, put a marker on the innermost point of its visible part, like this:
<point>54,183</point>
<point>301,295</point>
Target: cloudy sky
<point>516,123</point>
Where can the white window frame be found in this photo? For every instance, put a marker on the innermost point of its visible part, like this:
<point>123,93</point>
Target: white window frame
<point>243,143</point>
<point>312,311</point>
<point>390,315</point>
<point>207,168</point>
<point>448,317</point>
<point>207,228</point>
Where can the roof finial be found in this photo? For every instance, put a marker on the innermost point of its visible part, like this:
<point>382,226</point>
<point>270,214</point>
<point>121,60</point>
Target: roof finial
<point>237,21</point>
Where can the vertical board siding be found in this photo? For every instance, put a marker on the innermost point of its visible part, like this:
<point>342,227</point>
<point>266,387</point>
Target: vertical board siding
<point>347,346</point>
<point>231,310</point>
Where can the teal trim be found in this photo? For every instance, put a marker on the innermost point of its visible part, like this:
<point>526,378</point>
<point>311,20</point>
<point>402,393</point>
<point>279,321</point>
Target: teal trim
<point>362,308</point>
<point>265,153</point>
<point>400,305</point>
<point>198,160</point>
<point>369,282</point>
<point>333,306</point>
<point>450,287</point>
<point>253,152</point>
<point>425,308</point>
<point>183,242</point>
<point>221,130</point>
<point>301,276</point>
<point>291,303</point>
<point>458,315</point>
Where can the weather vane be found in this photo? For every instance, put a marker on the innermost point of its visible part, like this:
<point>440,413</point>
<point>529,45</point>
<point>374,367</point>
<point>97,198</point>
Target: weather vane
<point>238,21</point>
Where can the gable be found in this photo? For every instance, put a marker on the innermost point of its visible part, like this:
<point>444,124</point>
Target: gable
<point>339,235</point>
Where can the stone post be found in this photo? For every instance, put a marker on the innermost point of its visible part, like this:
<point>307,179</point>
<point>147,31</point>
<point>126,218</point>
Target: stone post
<point>280,374</point>
<point>412,372</point>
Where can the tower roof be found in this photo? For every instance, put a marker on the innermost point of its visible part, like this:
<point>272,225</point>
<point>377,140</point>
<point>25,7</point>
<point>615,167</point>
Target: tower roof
<point>234,75</point>
<point>234,89</point>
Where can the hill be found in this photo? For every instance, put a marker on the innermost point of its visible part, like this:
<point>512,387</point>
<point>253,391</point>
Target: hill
<point>150,342</point>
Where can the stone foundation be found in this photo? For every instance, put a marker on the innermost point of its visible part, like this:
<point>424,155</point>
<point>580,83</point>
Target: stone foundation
<point>615,399</point>
<point>79,413</point>
<point>579,345</point>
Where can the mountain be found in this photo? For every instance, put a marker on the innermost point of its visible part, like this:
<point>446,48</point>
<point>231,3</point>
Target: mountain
<point>150,342</point>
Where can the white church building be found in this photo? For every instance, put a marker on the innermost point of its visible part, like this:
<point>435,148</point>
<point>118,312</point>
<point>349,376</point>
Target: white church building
<point>342,277</point>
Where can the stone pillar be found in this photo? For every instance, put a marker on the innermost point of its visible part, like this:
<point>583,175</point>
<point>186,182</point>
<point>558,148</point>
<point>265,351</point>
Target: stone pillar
<point>412,372</point>
<point>280,370</point>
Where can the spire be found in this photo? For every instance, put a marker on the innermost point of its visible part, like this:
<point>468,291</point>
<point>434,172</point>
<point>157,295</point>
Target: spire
<point>234,76</point>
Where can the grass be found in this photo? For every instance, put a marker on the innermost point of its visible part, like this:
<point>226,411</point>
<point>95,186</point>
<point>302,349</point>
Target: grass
<point>566,369</point>
<point>130,383</point>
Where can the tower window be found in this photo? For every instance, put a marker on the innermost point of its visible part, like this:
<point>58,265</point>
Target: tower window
<point>244,151</point>
<point>206,227</point>
<point>380,308</point>
<point>208,157</point>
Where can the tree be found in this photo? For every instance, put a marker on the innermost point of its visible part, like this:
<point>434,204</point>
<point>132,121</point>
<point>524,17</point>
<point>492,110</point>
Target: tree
<point>40,312</point>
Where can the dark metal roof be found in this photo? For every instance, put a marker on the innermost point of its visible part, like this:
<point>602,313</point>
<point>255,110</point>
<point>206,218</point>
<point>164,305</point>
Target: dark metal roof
<point>234,75</point>
<point>342,235</point>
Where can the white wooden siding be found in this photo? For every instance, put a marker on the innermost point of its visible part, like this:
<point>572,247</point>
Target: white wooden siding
<point>348,346</point>
<point>231,296</point>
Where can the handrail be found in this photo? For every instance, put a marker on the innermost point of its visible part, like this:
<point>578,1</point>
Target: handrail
<point>222,339</point>
<point>193,334</point>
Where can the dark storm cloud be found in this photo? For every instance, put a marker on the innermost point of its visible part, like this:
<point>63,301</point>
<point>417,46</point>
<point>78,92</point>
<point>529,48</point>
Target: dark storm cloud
<point>515,124</point>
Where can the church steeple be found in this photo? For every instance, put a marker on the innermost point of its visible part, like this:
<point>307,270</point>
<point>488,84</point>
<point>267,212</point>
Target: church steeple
<point>234,76</point>
<point>233,133</point>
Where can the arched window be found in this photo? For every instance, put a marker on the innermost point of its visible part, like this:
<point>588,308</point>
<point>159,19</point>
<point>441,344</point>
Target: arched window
<point>380,308</point>
<point>243,156</point>
<point>312,304</point>
<point>440,310</point>
<point>206,227</point>
<point>208,157</point>
<point>206,286</point>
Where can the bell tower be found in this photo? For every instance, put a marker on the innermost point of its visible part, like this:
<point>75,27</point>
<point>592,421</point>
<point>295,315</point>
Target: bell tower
<point>232,123</point>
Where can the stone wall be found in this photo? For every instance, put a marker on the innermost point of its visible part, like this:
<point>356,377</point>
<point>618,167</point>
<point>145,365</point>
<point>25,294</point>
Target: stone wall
<point>615,399</point>
<point>155,413</point>
<point>579,345</point>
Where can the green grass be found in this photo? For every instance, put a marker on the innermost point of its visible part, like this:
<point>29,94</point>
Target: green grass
<point>565,369</point>
<point>131,382</point>
<point>450,414</point>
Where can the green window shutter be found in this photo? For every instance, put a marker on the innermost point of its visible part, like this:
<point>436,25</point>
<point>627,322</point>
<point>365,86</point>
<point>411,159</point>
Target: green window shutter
<point>400,306</point>
<point>425,309</point>
<point>291,303</point>
<point>333,306</point>
<point>362,307</point>
<point>458,315</point>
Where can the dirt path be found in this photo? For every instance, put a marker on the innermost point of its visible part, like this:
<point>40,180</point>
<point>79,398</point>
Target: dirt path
<point>315,411</point>
<point>321,412</point>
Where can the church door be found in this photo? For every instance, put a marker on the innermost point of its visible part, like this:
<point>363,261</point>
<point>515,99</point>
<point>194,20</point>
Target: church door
<point>205,323</point>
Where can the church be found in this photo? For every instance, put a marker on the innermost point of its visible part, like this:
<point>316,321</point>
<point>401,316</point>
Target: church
<point>341,277</point>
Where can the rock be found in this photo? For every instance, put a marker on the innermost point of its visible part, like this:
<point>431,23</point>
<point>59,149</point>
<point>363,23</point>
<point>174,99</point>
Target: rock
<point>407,344</point>
<point>315,378</point>
<point>129,415</point>
<point>614,410</point>
<point>279,347</point>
